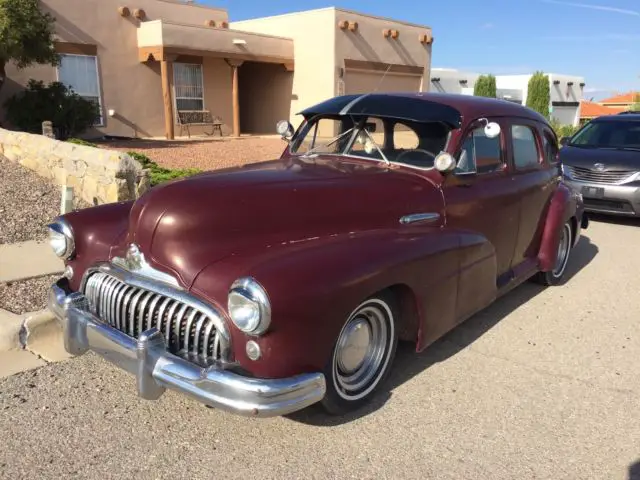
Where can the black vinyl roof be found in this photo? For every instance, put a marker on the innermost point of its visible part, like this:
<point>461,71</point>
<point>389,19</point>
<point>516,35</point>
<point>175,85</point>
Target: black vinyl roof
<point>400,106</point>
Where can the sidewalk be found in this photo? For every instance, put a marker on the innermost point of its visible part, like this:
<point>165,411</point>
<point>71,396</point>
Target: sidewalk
<point>22,261</point>
<point>31,340</point>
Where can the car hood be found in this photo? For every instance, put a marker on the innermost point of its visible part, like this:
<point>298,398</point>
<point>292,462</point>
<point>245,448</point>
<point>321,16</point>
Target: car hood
<point>185,225</point>
<point>612,159</point>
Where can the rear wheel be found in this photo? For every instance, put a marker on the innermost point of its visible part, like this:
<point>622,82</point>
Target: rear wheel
<point>362,355</point>
<point>554,277</point>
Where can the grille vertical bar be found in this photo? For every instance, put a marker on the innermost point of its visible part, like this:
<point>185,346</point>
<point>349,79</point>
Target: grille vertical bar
<point>189,332</point>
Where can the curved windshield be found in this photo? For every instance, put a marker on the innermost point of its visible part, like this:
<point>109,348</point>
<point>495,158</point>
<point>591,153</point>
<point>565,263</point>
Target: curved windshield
<point>382,139</point>
<point>619,134</point>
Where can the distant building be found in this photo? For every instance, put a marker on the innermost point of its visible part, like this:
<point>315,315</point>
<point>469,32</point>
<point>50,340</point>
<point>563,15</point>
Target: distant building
<point>591,110</point>
<point>624,101</point>
<point>566,90</point>
<point>449,80</point>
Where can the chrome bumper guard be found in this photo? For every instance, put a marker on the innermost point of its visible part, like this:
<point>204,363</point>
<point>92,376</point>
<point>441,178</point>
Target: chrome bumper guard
<point>156,369</point>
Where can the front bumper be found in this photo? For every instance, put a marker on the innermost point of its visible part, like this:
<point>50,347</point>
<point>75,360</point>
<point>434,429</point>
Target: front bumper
<point>156,369</point>
<point>609,199</point>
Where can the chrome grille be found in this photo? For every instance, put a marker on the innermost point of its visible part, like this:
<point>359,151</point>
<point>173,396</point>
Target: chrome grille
<point>590,175</point>
<point>189,332</point>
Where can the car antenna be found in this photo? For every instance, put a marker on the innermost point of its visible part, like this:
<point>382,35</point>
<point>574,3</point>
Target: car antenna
<point>383,75</point>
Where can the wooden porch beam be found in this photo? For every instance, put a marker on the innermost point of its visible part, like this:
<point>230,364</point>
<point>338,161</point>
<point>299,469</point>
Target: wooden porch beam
<point>166,74</point>
<point>235,94</point>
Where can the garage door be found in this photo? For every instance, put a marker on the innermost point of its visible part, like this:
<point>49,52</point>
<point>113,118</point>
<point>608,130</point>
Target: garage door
<point>359,81</point>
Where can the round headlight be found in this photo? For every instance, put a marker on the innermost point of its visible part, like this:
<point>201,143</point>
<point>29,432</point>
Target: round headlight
<point>249,306</point>
<point>61,239</point>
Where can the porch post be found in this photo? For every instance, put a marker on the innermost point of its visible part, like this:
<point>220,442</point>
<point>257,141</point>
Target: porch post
<point>235,64</point>
<point>166,73</point>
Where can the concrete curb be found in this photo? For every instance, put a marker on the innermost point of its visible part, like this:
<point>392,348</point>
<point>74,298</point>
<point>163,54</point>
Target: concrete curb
<point>37,332</point>
<point>10,328</point>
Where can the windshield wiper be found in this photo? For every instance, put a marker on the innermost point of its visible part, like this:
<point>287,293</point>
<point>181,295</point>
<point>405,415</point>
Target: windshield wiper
<point>378,148</point>
<point>324,145</point>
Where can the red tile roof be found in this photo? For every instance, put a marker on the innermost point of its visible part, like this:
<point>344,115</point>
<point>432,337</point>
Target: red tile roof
<point>592,110</point>
<point>625,98</point>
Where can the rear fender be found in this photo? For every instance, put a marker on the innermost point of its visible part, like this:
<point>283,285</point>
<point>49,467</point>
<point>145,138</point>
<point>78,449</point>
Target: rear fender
<point>561,209</point>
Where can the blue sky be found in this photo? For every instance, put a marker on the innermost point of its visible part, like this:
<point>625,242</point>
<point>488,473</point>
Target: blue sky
<point>598,39</point>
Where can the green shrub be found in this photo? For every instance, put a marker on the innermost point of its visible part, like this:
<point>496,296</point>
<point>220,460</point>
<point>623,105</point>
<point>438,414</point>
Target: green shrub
<point>485,86</point>
<point>539,94</point>
<point>160,174</point>
<point>563,130</point>
<point>79,141</point>
<point>70,114</point>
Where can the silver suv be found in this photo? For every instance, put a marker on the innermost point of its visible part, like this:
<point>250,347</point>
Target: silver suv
<point>602,161</point>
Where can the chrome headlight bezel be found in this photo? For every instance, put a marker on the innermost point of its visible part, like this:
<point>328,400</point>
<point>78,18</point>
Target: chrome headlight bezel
<point>246,293</point>
<point>61,239</point>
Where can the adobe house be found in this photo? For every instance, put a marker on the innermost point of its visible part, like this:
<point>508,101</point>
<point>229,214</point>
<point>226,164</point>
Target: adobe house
<point>144,61</point>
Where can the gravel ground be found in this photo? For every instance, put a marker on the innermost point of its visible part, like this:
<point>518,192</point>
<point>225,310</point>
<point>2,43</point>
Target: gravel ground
<point>27,203</point>
<point>208,154</point>
<point>27,295</point>
<point>543,384</point>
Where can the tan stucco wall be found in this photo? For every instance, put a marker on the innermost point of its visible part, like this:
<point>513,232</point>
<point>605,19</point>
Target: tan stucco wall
<point>368,44</point>
<point>313,35</point>
<point>321,47</point>
<point>129,87</point>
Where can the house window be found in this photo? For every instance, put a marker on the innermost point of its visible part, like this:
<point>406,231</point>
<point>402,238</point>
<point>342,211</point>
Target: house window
<point>188,86</point>
<point>80,74</point>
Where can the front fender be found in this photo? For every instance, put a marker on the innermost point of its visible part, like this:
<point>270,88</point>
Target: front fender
<point>95,230</point>
<point>314,285</point>
<point>562,208</point>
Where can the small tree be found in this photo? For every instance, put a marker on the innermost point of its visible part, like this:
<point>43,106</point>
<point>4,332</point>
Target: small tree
<point>485,86</point>
<point>539,94</point>
<point>70,113</point>
<point>26,35</point>
<point>636,103</point>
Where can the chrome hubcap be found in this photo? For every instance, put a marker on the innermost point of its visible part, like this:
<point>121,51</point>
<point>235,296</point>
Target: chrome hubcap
<point>564,246</point>
<point>363,350</point>
<point>354,346</point>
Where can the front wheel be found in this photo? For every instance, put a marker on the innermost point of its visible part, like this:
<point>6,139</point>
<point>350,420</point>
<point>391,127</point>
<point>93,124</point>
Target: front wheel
<point>362,355</point>
<point>554,277</point>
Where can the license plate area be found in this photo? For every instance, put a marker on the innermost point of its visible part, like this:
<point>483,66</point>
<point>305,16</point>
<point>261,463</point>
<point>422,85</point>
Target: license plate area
<point>593,192</point>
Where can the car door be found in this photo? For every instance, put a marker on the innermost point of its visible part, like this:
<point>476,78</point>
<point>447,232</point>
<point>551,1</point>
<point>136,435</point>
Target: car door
<point>535,175</point>
<point>482,202</point>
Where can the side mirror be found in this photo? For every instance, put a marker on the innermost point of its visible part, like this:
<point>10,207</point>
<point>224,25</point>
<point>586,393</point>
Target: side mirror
<point>564,141</point>
<point>285,129</point>
<point>444,162</point>
<point>492,130</point>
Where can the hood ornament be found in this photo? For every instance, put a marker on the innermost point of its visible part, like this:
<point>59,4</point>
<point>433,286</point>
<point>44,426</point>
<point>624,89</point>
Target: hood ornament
<point>135,263</point>
<point>599,167</point>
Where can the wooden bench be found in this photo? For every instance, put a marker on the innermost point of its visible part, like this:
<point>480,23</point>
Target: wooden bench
<point>188,118</point>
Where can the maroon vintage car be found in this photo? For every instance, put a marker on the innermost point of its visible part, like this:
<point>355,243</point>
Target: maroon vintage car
<point>264,289</point>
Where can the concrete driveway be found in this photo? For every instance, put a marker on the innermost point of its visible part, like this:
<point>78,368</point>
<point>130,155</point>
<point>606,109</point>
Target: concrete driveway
<point>544,384</point>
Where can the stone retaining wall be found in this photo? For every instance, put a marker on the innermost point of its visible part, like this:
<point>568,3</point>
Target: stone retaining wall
<point>95,174</point>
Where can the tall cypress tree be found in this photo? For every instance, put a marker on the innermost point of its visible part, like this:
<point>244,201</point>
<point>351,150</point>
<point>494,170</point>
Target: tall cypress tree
<point>485,86</point>
<point>539,94</point>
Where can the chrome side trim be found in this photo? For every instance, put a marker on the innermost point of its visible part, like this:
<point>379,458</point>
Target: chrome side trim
<point>155,369</point>
<point>167,291</point>
<point>135,262</point>
<point>420,218</point>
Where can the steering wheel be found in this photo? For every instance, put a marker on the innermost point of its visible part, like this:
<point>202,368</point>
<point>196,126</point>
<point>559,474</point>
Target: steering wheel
<point>415,150</point>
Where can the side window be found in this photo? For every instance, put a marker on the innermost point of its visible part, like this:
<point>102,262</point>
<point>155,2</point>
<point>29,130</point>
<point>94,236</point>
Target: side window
<point>525,148</point>
<point>550,149</point>
<point>480,153</point>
